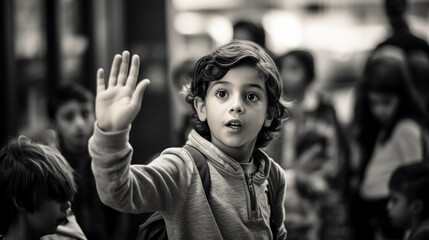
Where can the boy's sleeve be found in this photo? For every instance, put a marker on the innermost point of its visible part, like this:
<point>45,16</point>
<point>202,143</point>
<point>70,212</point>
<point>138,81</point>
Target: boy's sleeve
<point>278,207</point>
<point>161,185</point>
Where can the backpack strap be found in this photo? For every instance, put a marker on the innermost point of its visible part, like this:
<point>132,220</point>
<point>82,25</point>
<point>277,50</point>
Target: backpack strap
<point>202,166</point>
<point>425,144</point>
<point>272,187</point>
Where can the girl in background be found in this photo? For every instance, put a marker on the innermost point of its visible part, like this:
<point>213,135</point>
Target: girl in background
<point>389,121</point>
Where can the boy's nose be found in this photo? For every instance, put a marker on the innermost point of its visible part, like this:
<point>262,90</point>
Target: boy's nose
<point>80,121</point>
<point>237,109</point>
<point>237,106</point>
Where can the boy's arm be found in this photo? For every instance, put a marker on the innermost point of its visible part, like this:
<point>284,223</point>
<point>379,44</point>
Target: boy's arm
<point>120,185</point>
<point>161,185</point>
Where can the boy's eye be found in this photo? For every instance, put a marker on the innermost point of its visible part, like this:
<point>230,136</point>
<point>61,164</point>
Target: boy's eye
<point>69,116</point>
<point>252,97</point>
<point>85,114</point>
<point>221,94</point>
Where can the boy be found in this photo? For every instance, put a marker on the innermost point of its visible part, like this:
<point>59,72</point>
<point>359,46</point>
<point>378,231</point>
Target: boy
<point>235,93</point>
<point>409,200</point>
<point>71,111</point>
<point>36,185</point>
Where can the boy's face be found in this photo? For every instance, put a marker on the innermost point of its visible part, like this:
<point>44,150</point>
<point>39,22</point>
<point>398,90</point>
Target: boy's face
<point>235,108</point>
<point>399,209</point>
<point>46,219</point>
<point>74,122</point>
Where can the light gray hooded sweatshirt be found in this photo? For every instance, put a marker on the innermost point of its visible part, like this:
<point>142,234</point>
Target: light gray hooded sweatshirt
<point>171,184</point>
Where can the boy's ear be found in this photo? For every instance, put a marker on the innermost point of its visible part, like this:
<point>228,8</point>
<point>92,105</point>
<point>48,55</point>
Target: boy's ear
<point>200,107</point>
<point>268,122</point>
<point>268,119</point>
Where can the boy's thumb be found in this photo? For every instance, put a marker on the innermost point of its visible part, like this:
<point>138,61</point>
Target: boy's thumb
<point>139,92</point>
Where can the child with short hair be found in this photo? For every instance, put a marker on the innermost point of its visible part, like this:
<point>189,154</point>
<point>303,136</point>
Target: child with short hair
<point>408,206</point>
<point>71,111</point>
<point>72,114</point>
<point>236,94</point>
<point>36,185</point>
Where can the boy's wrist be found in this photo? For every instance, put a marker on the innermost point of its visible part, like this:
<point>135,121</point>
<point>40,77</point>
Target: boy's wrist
<point>112,128</point>
<point>110,141</point>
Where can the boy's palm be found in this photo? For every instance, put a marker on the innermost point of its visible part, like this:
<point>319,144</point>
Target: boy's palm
<point>118,105</point>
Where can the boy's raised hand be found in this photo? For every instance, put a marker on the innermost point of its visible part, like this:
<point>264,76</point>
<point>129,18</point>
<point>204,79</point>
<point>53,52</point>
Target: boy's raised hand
<point>117,105</point>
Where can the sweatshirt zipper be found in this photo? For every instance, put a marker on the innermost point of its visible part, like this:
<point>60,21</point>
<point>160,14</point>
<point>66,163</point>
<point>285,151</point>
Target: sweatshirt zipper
<point>252,194</point>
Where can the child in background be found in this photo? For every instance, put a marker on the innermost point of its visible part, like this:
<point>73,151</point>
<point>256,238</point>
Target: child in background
<point>312,112</point>
<point>389,120</point>
<point>304,194</point>
<point>251,31</point>
<point>36,186</point>
<point>312,141</point>
<point>408,206</point>
<point>71,111</point>
<point>235,92</point>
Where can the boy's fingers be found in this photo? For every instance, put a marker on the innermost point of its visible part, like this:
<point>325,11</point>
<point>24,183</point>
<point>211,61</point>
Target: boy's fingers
<point>100,81</point>
<point>115,69</point>
<point>138,94</point>
<point>122,78</point>
<point>134,72</point>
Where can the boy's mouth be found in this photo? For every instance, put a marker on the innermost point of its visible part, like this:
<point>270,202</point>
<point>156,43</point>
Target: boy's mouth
<point>234,124</point>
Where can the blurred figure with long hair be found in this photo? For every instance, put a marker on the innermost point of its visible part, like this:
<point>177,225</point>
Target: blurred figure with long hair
<point>389,124</point>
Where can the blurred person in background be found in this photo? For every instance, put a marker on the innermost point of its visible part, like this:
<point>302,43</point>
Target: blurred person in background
<point>304,193</point>
<point>414,48</point>
<point>388,125</point>
<point>247,30</point>
<point>251,31</point>
<point>402,36</point>
<point>71,110</point>
<point>312,141</point>
<point>408,205</point>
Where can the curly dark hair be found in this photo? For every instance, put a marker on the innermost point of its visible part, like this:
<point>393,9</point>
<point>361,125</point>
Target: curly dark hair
<point>215,66</point>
